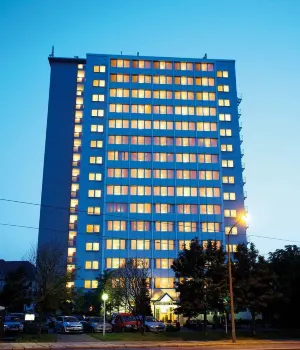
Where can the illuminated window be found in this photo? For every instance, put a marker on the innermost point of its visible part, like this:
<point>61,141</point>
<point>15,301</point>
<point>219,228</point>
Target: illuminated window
<point>210,227</point>
<point>186,208</point>
<point>140,140</point>
<point>141,124</point>
<point>117,140</point>
<point>118,123</point>
<point>91,265</point>
<point>140,190</point>
<point>226,132</point>
<point>204,81</point>
<point>206,111</point>
<point>185,226</point>
<point>229,196</point>
<point>96,143</point>
<point>204,67</point>
<point>120,78</point>
<point>97,113</point>
<point>163,191</point>
<point>227,163</point>
<point>115,244</point>
<point>162,65</point>
<point>90,284</point>
<point>141,79</point>
<point>205,96</point>
<point>140,226</point>
<point>210,209</point>
<point>119,92</point>
<point>162,125</point>
<point>163,141</point>
<point>140,244</point>
<point>163,263</point>
<point>231,247</point>
<point>94,193</point>
<point>141,64</point>
<point>117,225</point>
<point>226,148</point>
<point>225,117</point>
<point>162,94</point>
<point>120,63</point>
<point>186,158</point>
<point>224,103</point>
<point>95,176</point>
<point>183,66</point>
<point>163,282</point>
<point>95,160</point>
<point>99,69</point>
<point>92,246</point>
<point>164,208</point>
<point>233,231</point>
<point>163,173</point>
<point>140,173</point>
<point>117,190</point>
<point>92,228</point>
<point>163,244</point>
<point>223,88</point>
<point>117,172</point>
<point>97,98</point>
<point>140,156</point>
<point>99,83</point>
<point>228,179</point>
<point>163,157</point>
<point>141,93</point>
<point>140,208</point>
<point>164,226</point>
<point>209,175</point>
<point>141,109</point>
<point>115,263</point>
<point>118,155</point>
<point>93,210</point>
<point>209,192</point>
<point>207,158</point>
<point>186,174</point>
<point>162,79</point>
<point>222,74</point>
<point>230,213</point>
<point>185,191</point>
<point>116,207</point>
<point>118,108</point>
<point>96,128</point>
<point>184,244</point>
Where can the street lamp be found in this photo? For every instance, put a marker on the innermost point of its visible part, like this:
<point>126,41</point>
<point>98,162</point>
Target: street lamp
<point>233,335</point>
<point>104,298</point>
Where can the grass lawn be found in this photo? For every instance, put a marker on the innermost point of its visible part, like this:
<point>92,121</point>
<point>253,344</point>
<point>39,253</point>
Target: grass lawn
<point>210,335</point>
<point>34,338</point>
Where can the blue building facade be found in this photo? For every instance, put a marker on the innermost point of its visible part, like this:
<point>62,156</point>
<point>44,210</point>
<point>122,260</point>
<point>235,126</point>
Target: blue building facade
<point>142,155</point>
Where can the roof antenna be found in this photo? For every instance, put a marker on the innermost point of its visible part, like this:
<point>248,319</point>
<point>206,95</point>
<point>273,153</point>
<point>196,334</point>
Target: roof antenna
<point>205,56</point>
<point>121,53</point>
<point>137,53</point>
<point>52,52</point>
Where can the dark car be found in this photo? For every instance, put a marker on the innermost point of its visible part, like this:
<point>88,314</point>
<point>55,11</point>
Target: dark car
<point>12,326</point>
<point>95,325</point>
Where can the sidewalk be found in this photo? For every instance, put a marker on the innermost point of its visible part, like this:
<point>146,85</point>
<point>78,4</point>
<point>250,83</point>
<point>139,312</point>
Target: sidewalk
<point>265,344</point>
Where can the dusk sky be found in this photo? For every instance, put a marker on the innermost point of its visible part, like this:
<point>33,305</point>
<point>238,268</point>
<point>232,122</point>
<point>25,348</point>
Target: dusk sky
<point>263,38</point>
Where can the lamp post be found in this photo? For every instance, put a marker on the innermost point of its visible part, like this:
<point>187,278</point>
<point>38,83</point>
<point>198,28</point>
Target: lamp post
<point>104,298</point>
<point>233,335</point>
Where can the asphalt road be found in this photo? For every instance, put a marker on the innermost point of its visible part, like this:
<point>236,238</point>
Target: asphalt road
<point>75,338</point>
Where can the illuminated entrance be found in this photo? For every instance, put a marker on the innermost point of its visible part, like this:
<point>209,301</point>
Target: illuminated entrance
<point>164,308</point>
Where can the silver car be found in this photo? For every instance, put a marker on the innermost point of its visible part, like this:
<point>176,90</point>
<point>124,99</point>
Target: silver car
<point>96,324</point>
<point>68,324</point>
<point>152,325</point>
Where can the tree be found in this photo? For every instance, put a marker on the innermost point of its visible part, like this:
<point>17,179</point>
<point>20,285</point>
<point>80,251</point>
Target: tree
<point>286,265</point>
<point>254,282</point>
<point>17,290</point>
<point>51,278</point>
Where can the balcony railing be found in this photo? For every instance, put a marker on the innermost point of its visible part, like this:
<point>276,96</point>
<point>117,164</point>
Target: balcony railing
<point>239,99</point>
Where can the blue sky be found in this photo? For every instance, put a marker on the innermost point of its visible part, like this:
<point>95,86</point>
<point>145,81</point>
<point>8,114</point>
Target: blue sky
<point>263,38</point>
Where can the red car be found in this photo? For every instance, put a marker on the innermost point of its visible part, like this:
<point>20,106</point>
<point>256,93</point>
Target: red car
<point>125,322</point>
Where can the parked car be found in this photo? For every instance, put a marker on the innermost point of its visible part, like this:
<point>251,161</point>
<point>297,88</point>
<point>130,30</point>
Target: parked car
<point>95,325</point>
<point>68,324</point>
<point>32,327</point>
<point>19,315</point>
<point>12,326</point>
<point>125,322</point>
<point>152,325</point>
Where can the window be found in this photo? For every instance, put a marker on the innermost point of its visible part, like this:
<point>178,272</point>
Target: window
<point>204,81</point>
<point>209,191</point>
<point>163,173</point>
<point>232,247</point>
<point>140,208</point>
<point>91,265</point>
<point>99,69</point>
<point>96,128</point>
<point>97,98</point>
<point>205,96</point>
<point>140,244</point>
<point>163,141</point>
<point>141,64</point>
<point>95,176</point>
<point>228,179</point>
<point>94,193</point>
<point>206,142</point>
<point>140,140</point>
<point>116,190</point>
<point>163,191</point>
<point>92,246</point>
<point>224,103</point>
<point>164,226</point>
<point>117,225</point>
<point>184,244</point>
<point>162,110</point>
<point>117,140</point>
<point>225,117</point>
<point>141,93</point>
<point>118,108</point>
<point>163,157</point>
<point>163,244</point>
<point>119,92</point>
<point>162,125</point>
<point>141,79</point>
<point>183,66</point>
<point>185,226</point>
<point>162,65</point>
<point>115,244</point>
<point>186,191</point>
<point>188,126</point>
<point>229,196</point>
<point>115,263</point>
<point>141,109</point>
<point>118,155</point>
<point>185,141</point>
<point>162,94</point>
<point>186,208</point>
<point>116,207</point>
<point>184,95</point>
<point>206,126</point>
<point>140,190</point>
<point>225,132</point>
<point>90,284</point>
<point>163,282</point>
<point>206,111</point>
<point>226,148</point>
<point>96,143</point>
<point>118,124</point>
<point>227,163</point>
<point>141,263</point>
<point>210,227</point>
<point>93,210</point>
<point>117,173</point>
<point>162,79</point>
<point>140,173</point>
<point>163,208</point>
<point>184,110</point>
<point>230,213</point>
<point>163,263</point>
<point>186,157</point>
<point>223,88</point>
<point>92,228</point>
<point>204,67</point>
<point>208,158</point>
<point>120,63</point>
<point>120,78</point>
<point>183,81</point>
<point>222,74</point>
<point>95,160</point>
<point>140,226</point>
<point>186,174</point>
<point>141,124</point>
<point>99,83</point>
<point>209,175</point>
<point>210,209</point>
<point>232,230</point>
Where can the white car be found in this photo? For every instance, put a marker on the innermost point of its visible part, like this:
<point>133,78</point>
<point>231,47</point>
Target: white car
<point>152,325</point>
<point>68,324</point>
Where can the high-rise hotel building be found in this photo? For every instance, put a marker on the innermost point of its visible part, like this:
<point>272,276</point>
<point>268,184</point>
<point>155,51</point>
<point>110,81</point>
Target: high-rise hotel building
<point>142,155</point>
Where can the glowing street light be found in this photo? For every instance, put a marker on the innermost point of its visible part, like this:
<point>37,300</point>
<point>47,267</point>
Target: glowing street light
<point>104,298</point>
